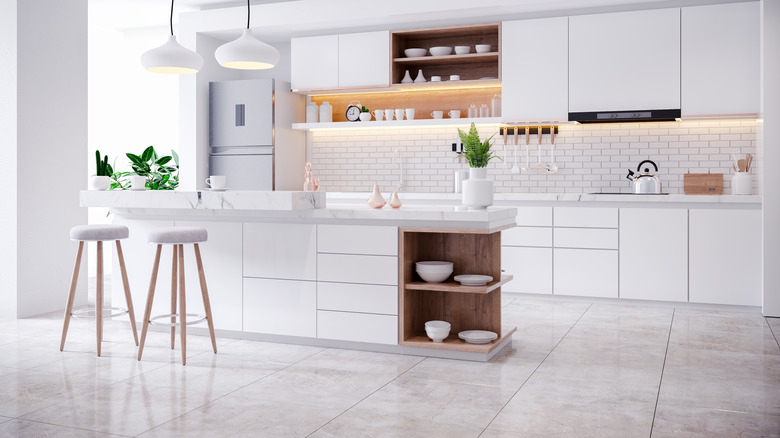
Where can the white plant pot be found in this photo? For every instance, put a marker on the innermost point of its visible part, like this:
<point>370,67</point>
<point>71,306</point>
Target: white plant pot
<point>365,117</point>
<point>99,182</point>
<point>477,191</point>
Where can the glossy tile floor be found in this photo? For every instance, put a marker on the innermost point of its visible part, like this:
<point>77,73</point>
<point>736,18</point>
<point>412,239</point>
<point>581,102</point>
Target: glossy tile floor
<point>575,369</point>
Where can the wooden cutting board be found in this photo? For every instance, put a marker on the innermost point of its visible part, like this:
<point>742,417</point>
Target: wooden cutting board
<point>703,183</point>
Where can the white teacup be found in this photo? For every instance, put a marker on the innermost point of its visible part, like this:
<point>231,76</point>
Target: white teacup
<point>437,114</point>
<point>388,114</point>
<point>217,182</point>
<point>435,78</point>
<point>378,115</point>
<point>454,114</point>
<point>399,114</point>
<point>138,182</point>
<point>454,77</point>
<point>409,113</point>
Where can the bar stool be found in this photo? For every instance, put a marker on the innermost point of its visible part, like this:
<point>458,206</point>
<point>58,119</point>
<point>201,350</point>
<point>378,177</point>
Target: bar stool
<point>99,234</point>
<point>178,237</point>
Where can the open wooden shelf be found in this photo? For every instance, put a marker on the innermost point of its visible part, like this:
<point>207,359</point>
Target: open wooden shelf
<point>467,58</point>
<point>454,343</point>
<point>452,286</point>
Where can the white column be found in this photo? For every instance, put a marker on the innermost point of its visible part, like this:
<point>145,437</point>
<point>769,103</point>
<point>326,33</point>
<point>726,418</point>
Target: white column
<point>770,148</point>
<point>43,141</point>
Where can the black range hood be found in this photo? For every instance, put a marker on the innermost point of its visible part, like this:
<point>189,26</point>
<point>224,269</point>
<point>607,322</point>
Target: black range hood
<point>658,115</point>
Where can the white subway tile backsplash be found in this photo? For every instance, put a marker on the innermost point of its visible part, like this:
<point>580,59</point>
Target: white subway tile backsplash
<point>590,157</point>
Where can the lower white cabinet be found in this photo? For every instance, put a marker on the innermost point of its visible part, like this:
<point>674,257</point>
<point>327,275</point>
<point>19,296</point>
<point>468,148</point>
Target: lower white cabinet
<point>586,272</point>
<point>532,269</point>
<point>725,257</point>
<point>350,268</point>
<point>654,254</point>
<point>357,327</point>
<point>284,251</point>
<point>365,298</point>
<point>280,307</point>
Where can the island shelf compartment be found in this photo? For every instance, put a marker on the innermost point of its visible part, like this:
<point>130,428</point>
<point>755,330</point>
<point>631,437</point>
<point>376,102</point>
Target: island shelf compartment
<point>464,307</point>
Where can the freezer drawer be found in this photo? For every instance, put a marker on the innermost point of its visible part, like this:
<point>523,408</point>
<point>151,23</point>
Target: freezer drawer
<point>244,172</point>
<point>241,113</point>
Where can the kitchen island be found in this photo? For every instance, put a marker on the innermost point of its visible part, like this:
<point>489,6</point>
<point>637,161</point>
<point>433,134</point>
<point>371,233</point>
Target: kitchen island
<point>283,266</point>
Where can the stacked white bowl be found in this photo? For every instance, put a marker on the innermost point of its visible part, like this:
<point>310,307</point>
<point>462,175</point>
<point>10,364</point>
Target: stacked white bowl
<point>434,271</point>
<point>437,330</point>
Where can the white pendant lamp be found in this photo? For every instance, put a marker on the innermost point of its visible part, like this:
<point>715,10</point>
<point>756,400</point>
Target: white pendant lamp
<point>172,57</point>
<point>247,52</point>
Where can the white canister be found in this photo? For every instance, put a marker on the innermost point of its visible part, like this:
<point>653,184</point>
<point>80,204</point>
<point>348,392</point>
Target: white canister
<point>326,112</point>
<point>477,191</point>
<point>312,113</point>
<point>742,184</point>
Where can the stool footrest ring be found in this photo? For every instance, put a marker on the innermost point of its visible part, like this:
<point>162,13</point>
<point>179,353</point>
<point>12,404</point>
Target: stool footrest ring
<point>156,319</point>
<point>108,312</point>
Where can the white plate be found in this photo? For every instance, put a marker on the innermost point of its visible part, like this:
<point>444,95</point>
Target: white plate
<point>138,190</point>
<point>477,336</point>
<point>208,189</point>
<point>473,280</point>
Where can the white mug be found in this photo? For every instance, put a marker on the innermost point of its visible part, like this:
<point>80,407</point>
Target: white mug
<point>409,113</point>
<point>217,182</point>
<point>437,114</point>
<point>138,182</point>
<point>399,114</point>
<point>454,77</point>
<point>378,115</point>
<point>388,115</point>
<point>454,114</point>
<point>435,78</point>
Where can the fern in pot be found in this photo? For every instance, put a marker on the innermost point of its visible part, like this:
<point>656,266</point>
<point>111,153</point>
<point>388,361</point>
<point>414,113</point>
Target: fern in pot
<point>101,180</point>
<point>477,190</point>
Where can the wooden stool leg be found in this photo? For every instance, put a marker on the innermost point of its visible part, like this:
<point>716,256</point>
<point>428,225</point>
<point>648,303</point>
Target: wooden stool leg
<point>173,297</point>
<point>71,294</point>
<point>206,303</point>
<point>99,296</point>
<point>149,298</point>
<point>126,286</point>
<point>182,308</point>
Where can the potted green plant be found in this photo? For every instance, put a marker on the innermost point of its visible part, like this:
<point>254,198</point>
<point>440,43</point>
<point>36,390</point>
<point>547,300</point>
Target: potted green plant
<point>161,172</point>
<point>477,190</point>
<point>365,114</point>
<point>101,180</point>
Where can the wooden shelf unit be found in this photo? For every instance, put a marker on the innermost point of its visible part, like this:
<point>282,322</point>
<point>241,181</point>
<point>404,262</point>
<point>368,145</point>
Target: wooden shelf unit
<point>464,307</point>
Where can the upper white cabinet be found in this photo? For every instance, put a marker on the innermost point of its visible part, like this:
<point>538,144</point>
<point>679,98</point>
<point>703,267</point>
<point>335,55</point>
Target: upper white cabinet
<point>720,62</point>
<point>624,61</point>
<point>314,62</point>
<point>364,59</point>
<point>534,77</point>
<point>341,61</point>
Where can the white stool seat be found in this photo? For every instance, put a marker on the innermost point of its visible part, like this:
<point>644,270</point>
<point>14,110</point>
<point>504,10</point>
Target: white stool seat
<point>178,235</point>
<point>99,232</point>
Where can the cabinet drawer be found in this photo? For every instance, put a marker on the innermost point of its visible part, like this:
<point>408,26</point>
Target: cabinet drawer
<point>527,236</point>
<point>532,269</point>
<point>356,239</point>
<point>586,272</point>
<point>586,217</point>
<point>357,327</point>
<point>280,307</point>
<point>368,298</point>
<point>594,238</point>
<point>534,216</point>
<point>367,269</point>
<point>284,251</point>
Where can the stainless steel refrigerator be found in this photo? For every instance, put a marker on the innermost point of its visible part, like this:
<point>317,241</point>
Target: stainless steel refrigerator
<point>251,137</point>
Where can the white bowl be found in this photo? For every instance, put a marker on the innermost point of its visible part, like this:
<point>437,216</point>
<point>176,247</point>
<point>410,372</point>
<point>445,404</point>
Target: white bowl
<point>433,264</point>
<point>462,50</point>
<point>414,52</point>
<point>437,335</point>
<point>441,51</point>
<point>436,324</point>
<point>483,48</point>
<point>434,277</point>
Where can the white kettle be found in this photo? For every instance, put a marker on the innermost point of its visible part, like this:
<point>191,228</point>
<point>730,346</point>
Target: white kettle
<point>645,183</point>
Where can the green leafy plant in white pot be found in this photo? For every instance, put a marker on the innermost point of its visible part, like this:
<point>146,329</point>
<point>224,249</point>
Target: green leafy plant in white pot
<point>477,190</point>
<point>102,179</point>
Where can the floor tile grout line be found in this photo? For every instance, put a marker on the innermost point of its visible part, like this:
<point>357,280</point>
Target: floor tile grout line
<point>369,395</point>
<point>663,369</point>
<point>68,427</point>
<point>771,330</point>
<point>534,371</point>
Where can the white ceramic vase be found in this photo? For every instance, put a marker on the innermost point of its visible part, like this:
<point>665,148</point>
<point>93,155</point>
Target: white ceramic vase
<point>376,200</point>
<point>99,182</point>
<point>395,202</point>
<point>477,190</point>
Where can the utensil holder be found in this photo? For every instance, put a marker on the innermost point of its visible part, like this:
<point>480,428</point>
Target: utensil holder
<point>742,183</point>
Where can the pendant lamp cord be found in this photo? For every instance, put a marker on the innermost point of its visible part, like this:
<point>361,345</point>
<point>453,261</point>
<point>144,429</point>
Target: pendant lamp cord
<point>171,17</point>
<point>247,14</point>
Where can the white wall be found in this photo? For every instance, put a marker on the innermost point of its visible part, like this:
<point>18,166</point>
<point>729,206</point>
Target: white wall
<point>51,138</point>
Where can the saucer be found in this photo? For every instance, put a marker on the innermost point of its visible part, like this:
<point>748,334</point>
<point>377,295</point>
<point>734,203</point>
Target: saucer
<point>209,189</point>
<point>473,280</point>
<point>138,190</point>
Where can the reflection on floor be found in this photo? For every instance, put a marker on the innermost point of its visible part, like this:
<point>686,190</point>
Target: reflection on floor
<point>575,369</point>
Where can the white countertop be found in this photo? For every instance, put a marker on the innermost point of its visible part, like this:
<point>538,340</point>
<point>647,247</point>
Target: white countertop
<point>203,199</point>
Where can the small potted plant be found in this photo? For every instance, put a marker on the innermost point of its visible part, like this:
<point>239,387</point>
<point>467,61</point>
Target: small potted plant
<point>102,179</point>
<point>365,114</point>
<point>477,190</point>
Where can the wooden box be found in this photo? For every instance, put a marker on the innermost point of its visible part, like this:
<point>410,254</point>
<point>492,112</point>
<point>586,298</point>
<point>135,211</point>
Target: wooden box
<point>703,183</point>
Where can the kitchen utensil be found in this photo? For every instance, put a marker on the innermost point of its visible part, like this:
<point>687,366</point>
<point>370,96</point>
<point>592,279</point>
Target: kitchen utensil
<point>505,133</point>
<point>462,50</point>
<point>437,114</point>
<point>645,183</point>
<point>437,330</point>
<point>409,113</point>
<point>483,48</point>
<point>539,167</point>
<point>527,167</point>
<point>703,183</point>
<point>415,52</point>
<point>441,51</point>
<point>435,78</point>
<point>473,111</point>
<point>749,159</point>
<point>495,106</point>
<point>516,168</point>
<point>741,183</point>
<point>399,114</point>
<point>454,114</point>
<point>742,165</point>
<point>378,114</point>
<point>454,77</point>
<point>551,166</point>
<point>473,280</point>
<point>477,336</point>
<point>389,114</point>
